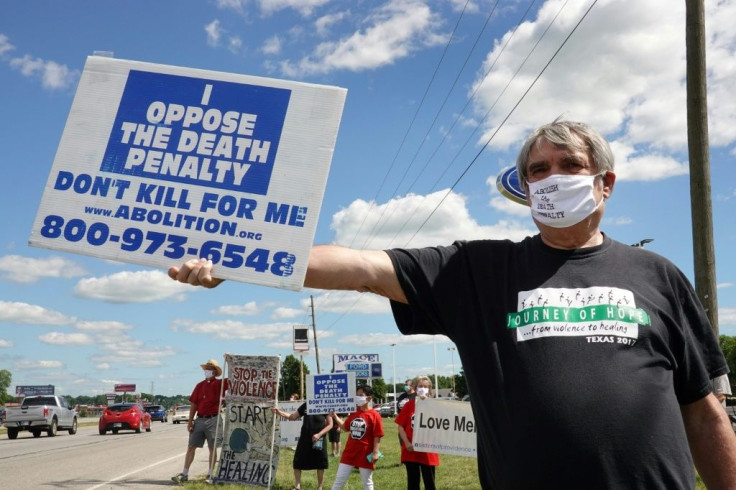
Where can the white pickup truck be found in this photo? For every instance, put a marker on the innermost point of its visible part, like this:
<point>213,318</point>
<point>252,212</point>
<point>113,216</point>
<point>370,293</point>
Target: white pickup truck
<point>40,414</point>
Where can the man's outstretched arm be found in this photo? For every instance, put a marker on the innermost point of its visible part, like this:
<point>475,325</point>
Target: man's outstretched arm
<point>712,442</point>
<point>330,267</point>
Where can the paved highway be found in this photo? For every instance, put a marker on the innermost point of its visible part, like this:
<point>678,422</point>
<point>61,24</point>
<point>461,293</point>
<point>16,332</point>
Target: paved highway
<point>90,461</point>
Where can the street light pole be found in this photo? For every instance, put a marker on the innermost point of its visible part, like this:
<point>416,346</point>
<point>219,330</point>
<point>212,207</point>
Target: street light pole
<point>452,360</point>
<point>393,369</point>
<point>434,347</point>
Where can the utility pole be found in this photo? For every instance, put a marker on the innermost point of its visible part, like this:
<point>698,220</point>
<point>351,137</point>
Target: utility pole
<point>301,377</point>
<point>314,331</point>
<point>698,151</point>
<point>393,369</point>
<point>436,384</point>
<point>452,360</point>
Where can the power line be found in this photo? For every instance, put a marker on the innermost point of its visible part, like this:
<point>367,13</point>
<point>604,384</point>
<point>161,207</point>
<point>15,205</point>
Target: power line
<point>508,115</point>
<point>472,162</point>
<point>411,124</point>
<point>434,120</point>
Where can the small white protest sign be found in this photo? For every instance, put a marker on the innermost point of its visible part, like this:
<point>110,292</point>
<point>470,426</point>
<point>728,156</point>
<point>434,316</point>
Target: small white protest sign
<point>290,429</point>
<point>159,164</point>
<point>445,427</point>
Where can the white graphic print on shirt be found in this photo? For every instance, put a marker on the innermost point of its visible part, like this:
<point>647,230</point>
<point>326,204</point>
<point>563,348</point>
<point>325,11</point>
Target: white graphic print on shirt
<point>357,428</point>
<point>599,313</point>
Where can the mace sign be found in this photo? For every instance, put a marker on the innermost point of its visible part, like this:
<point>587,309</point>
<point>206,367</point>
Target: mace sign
<point>360,364</point>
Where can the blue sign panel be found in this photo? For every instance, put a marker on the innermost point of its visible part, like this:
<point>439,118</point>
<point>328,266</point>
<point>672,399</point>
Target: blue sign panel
<point>376,370</point>
<point>205,132</point>
<point>357,366</point>
<point>509,185</point>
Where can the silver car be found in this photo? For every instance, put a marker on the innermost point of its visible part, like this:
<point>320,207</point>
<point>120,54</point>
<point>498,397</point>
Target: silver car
<point>181,414</point>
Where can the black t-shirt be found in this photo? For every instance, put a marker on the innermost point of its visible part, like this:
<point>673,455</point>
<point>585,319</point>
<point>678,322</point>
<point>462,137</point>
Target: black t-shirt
<point>311,424</point>
<point>577,360</point>
<point>403,399</point>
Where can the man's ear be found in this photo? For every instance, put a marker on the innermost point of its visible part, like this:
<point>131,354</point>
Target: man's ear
<point>609,179</point>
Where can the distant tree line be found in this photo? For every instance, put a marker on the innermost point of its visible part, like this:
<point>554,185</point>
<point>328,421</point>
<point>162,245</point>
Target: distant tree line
<point>290,384</point>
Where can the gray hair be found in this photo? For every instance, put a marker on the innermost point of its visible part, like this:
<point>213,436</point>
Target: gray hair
<point>419,379</point>
<point>571,136</point>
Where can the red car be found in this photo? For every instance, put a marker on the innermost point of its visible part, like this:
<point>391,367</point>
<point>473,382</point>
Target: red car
<point>124,416</point>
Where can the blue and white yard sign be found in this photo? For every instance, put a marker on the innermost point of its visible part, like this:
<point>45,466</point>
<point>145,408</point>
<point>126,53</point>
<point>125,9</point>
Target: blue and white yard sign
<point>158,164</point>
<point>330,392</point>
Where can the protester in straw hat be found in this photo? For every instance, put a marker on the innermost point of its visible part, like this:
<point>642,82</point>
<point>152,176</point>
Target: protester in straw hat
<point>205,403</point>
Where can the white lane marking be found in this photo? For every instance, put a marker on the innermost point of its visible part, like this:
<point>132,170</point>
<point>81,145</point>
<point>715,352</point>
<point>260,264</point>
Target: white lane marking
<point>137,471</point>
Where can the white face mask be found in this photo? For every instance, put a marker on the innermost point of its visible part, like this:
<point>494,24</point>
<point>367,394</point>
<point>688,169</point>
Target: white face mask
<point>208,373</point>
<point>560,201</point>
<point>360,400</point>
<point>422,392</point>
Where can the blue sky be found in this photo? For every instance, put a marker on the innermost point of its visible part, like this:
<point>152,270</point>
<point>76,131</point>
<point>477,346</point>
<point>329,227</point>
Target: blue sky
<point>427,89</point>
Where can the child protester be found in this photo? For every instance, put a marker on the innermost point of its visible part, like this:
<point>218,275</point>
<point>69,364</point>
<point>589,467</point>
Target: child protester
<point>364,428</point>
<point>419,465</point>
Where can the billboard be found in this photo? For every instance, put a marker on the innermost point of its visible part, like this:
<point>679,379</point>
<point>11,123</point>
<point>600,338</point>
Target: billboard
<point>124,388</point>
<point>33,390</point>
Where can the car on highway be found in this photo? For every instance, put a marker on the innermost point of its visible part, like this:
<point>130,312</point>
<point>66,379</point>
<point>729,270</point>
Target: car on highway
<point>41,413</point>
<point>158,412</point>
<point>180,414</point>
<point>124,416</point>
<point>387,409</point>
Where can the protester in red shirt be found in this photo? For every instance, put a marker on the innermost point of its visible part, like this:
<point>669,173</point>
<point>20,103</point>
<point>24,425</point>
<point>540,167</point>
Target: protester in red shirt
<point>205,403</point>
<point>419,465</point>
<point>365,430</point>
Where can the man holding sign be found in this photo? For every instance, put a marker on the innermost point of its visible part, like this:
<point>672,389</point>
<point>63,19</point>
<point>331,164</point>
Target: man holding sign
<point>589,360</point>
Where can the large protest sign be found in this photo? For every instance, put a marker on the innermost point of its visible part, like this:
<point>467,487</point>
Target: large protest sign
<point>158,164</point>
<point>445,427</point>
<point>250,449</point>
<point>330,392</point>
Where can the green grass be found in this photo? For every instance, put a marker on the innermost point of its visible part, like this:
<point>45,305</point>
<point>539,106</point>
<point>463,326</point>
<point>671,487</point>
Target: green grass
<point>453,472</point>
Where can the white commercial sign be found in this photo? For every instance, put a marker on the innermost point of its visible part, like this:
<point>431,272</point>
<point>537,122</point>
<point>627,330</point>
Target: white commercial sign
<point>360,364</point>
<point>159,164</point>
<point>301,338</point>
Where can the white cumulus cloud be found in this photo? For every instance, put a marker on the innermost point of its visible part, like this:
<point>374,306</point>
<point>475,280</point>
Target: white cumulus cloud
<point>17,268</point>
<point>60,338</point>
<point>27,314</point>
<point>132,287</point>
